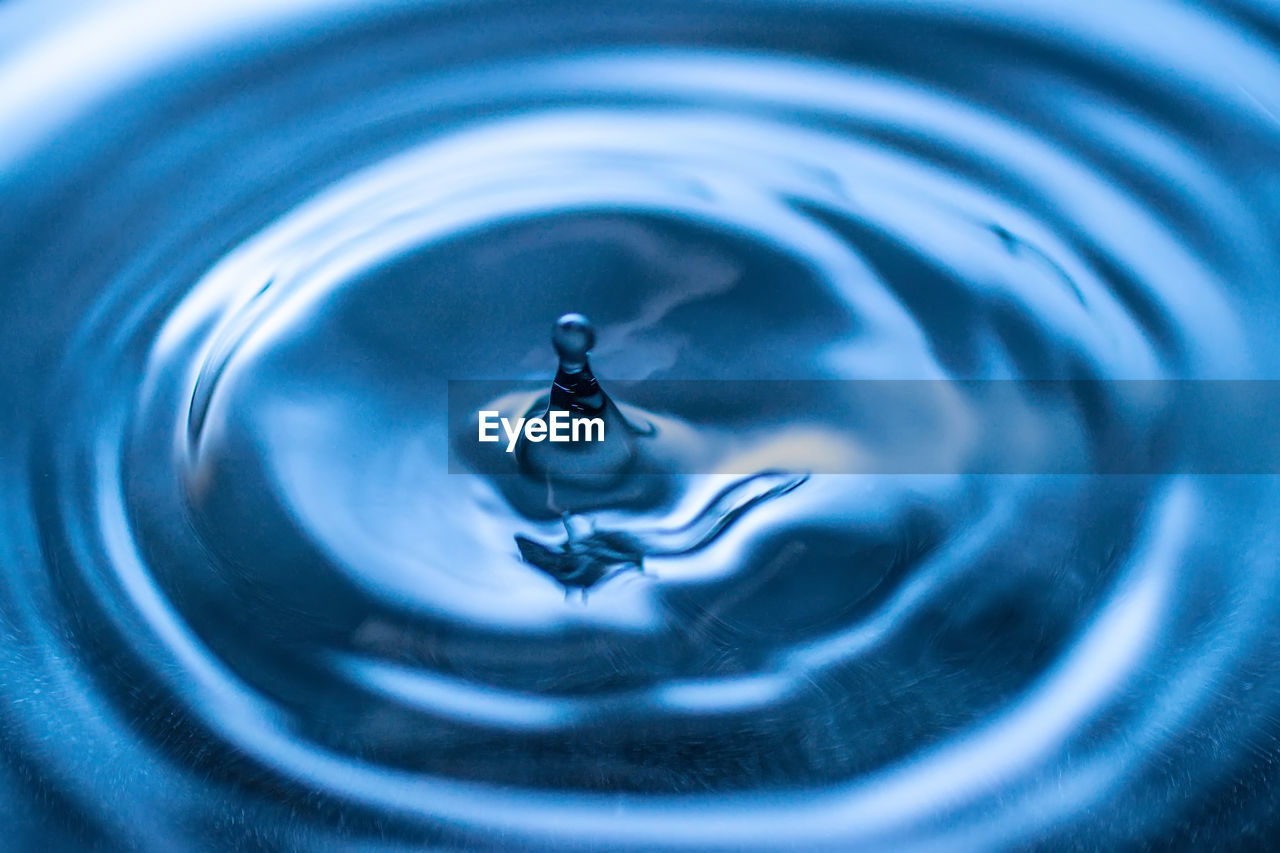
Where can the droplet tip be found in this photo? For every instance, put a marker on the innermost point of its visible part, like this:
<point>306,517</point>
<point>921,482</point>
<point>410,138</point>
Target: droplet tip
<point>573,337</point>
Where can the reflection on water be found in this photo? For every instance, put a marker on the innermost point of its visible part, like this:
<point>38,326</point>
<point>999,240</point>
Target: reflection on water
<point>244,604</point>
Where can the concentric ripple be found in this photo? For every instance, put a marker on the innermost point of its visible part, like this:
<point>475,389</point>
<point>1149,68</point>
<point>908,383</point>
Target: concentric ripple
<point>245,604</point>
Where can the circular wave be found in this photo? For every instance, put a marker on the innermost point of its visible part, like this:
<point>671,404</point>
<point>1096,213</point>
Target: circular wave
<point>245,602</point>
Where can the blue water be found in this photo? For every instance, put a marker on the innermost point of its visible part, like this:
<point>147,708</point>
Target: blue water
<point>244,246</point>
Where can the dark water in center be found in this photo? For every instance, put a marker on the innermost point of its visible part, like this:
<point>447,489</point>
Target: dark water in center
<point>245,605</point>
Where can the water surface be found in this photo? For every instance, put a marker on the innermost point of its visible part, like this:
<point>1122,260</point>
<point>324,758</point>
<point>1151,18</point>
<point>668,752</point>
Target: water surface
<point>245,604</point>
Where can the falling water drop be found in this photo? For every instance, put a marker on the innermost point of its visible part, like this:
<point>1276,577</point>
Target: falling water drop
<point>575,386</point>
<point>589,555</point>
<point>598,459</point>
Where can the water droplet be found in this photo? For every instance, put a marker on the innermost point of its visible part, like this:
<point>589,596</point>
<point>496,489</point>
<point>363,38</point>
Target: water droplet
<point>594,458</point>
